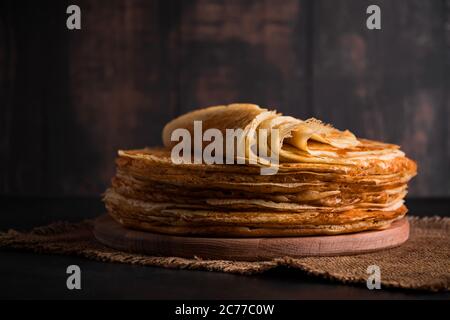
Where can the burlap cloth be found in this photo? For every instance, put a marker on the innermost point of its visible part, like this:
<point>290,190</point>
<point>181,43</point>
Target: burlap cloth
<point>423,262</point>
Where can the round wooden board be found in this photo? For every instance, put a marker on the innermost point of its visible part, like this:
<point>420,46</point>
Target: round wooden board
<point>112,234</point>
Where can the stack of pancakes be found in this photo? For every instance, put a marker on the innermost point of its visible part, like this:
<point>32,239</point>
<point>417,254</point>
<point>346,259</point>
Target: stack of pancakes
<point>327,181</point>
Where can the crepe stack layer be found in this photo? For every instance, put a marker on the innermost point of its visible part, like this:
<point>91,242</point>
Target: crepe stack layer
<point>327,181</point>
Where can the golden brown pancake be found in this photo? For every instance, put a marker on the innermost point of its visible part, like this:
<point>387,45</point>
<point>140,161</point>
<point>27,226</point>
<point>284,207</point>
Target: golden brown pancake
<point>327,182</point>
<point>244,231</point>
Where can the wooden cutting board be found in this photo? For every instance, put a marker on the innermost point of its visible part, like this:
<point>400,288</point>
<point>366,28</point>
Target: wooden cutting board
<point>112,234</point>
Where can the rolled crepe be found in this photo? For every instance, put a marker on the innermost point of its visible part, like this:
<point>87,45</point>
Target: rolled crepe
<point>297,141</point>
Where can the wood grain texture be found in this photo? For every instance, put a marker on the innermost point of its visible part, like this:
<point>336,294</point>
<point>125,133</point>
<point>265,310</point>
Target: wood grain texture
<point>245,51</point>
<point>389,84</point>
<point>112,234</point>
<point>70,99</point>
<point>34,94</point>
<point>121,80</point>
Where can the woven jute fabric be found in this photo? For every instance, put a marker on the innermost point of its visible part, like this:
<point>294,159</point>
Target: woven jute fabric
<point>423,262</point>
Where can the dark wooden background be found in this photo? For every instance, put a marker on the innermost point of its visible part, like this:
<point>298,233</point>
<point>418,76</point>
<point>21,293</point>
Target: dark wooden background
<point>70,99</point>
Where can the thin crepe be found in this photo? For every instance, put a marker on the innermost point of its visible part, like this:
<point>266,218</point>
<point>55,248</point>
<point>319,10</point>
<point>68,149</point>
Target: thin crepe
<point>328,181</point>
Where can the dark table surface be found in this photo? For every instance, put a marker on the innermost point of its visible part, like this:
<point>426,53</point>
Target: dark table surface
<point>26,275</point>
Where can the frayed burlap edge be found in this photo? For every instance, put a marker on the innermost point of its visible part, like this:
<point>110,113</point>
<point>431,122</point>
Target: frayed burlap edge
<point>422,263</point>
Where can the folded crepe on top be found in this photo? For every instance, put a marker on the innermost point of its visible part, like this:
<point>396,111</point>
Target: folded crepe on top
<point>327,181</point>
